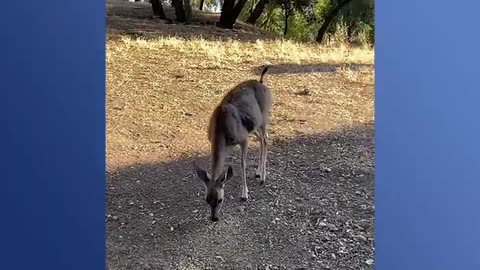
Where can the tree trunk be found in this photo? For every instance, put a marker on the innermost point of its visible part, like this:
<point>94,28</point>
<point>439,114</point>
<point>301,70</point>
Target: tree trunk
<point>257,12</point>
<point>188,10</point>
<point>230,13</point>
<point>328,19</point>
<point>285,28</point>
<point>238,9</point>
<point>201,4</point>
<point>226,15</point>
<point>179,11</point>
<point>158,9</point>
<point>154,7</point>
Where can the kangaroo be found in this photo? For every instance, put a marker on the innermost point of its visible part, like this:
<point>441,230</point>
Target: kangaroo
<point>244,110</point>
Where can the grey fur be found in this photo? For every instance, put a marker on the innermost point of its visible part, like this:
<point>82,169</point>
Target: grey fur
<point>244,110</point>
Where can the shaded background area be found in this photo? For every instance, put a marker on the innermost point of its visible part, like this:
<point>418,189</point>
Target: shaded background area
<point>315,210</point>
<point>135,19</point>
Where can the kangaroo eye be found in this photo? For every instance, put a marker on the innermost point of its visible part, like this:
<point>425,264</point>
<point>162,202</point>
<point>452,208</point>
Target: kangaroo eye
<point>220,200</point>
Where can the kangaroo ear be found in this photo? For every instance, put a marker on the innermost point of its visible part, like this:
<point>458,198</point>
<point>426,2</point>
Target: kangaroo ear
<point>201,173</point>
<point>228,174</point>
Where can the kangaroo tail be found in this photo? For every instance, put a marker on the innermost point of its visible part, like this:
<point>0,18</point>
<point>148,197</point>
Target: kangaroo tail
<point>263,73</point>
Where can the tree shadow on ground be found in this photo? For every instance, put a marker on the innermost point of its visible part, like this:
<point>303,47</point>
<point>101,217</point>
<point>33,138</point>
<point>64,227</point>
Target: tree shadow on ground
<point>136,20</point>
<point>290,68</point>
<point>317,201</point>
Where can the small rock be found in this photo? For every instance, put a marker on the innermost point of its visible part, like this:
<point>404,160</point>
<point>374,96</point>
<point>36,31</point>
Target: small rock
<point>171,229</point>
<point>219,257</point>
<point>361,237</point>
<point>195,211</point>
<point>115,217</point>
<point>328,169</point>
<point>332,227</point>
<point>334,256</point>
<point>151,214</point>
<point>369,262</point>
<point>153,222</point>
<point>277,219</point>
<point>298,199</point>
<point>322,224</point>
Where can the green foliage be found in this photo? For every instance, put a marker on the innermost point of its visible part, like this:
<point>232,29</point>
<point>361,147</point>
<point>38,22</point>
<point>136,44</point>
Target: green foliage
<point>247,9</point>
<point>272,18</point>
<point>299,28</point>
<point>354,23</point>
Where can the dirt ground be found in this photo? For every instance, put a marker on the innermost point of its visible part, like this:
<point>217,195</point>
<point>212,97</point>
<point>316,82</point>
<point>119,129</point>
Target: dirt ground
<point>315,210</point>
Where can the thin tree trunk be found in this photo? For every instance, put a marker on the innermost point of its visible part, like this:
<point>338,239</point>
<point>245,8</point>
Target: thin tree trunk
<point>328,19</point>
<point>158,9</point>
<point>188,10</point>
<point>201,4</point>
<point>179,11</point>
<point>230,13</point>
<point>237,10</point>
<point>257,11</point>
<point>154,7</point>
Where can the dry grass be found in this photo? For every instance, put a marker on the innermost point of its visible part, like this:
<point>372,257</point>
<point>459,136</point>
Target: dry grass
<point>163,89</point>
<point>234,52</point>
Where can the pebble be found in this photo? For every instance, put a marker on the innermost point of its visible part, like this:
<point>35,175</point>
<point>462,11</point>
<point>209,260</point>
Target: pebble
<point>369,262</point>
<point>171,229</point>
<point>195,211</point>
<point>332,227</point>
<point>361,237</point>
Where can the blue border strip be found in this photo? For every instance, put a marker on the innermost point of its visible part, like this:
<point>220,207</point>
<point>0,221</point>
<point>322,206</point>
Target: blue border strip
<point>52,172</point>
<point>427,186</point>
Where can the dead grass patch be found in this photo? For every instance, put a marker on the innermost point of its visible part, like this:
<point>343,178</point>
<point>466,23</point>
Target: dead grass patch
<point>160,92</point>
